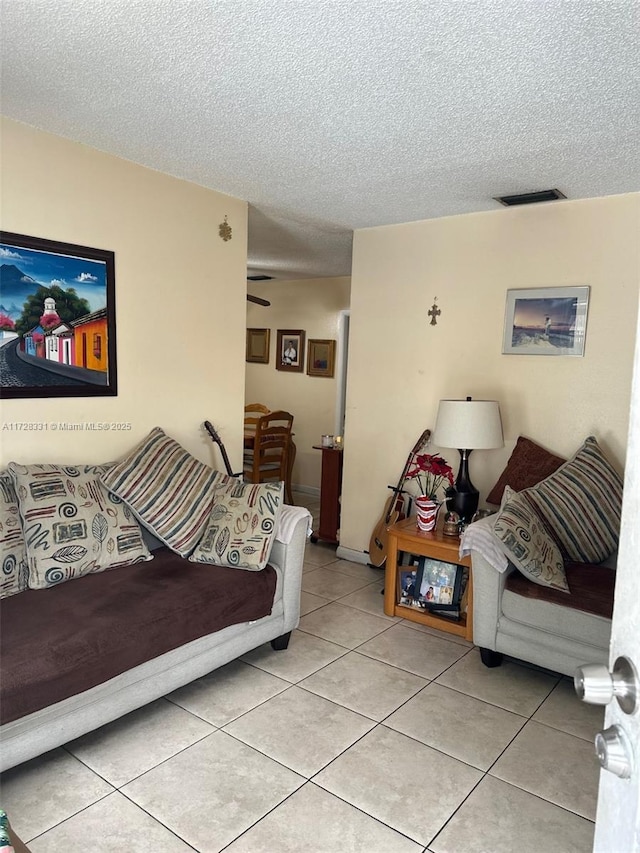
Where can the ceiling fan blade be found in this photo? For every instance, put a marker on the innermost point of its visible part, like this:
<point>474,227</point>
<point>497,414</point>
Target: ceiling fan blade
<point>257,300</point>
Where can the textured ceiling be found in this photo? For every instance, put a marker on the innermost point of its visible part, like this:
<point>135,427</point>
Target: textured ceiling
<point>330,115</point>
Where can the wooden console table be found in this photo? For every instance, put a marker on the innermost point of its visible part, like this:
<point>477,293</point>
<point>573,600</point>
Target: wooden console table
<point>330,487</point>
<point>404,536</point>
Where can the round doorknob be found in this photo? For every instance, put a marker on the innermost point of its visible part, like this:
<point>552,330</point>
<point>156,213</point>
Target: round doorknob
<point>614,752</point>
<point>593,684</point>
<point>596,685</point>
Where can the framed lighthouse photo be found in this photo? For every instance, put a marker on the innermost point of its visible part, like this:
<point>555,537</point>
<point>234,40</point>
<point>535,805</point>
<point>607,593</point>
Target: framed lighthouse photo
<point>57,319</point>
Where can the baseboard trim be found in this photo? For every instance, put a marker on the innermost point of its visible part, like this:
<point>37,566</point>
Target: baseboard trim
<point>307,490</point>
<point>351,555</point>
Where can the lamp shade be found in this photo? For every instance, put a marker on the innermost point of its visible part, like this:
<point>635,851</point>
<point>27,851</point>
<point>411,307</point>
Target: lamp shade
<point>468,425</point>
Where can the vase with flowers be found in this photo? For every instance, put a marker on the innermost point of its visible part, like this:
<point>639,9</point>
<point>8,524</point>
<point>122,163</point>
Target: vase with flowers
<point>431,473</point>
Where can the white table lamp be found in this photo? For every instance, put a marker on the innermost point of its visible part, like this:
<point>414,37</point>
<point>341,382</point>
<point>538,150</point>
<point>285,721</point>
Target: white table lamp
<point>468,425</point>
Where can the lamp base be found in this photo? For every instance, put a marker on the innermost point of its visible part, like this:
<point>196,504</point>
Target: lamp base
<point>466,498</point>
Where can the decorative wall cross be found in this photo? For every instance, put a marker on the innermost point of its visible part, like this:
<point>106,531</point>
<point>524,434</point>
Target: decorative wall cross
<point>224,230</point>
<point>434,312</point>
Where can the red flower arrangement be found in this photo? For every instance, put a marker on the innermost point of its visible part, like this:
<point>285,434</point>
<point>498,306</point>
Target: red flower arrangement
<point>430,472</point>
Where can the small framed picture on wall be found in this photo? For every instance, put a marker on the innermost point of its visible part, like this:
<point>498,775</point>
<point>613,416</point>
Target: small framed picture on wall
<point>546,321</point>
<point>258,346</point>
<point>290,350</point>
<point>321,358</point>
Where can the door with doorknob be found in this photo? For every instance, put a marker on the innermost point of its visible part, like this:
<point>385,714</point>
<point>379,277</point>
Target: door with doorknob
<point>618,744</point>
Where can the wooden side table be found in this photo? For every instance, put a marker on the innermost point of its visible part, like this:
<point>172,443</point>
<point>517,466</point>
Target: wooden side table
<point>330,488</point>
<point>404,536</point>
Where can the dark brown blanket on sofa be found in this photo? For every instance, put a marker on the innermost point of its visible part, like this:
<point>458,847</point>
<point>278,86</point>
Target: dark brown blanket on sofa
<point>591,588</point>
<point>61,641</point>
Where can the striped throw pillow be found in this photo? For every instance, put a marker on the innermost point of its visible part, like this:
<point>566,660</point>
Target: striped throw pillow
<point>522,536</point>
<point>581,504</point>
<point>167,489</point>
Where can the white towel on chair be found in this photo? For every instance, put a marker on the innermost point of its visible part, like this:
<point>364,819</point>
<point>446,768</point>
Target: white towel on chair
<point>289,517</point>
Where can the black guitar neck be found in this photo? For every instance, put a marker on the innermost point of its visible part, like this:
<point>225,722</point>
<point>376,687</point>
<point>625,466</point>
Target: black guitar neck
<point>214,435</point>
<point>399,489</point>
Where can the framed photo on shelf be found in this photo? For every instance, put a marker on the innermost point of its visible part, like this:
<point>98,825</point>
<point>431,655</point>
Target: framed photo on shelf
<point>407,581</point>
<point>58,321</point>
<point>290,350</point>
<point>321,358</point>
<point>258,346</point>
<point>546,321</point>
<point>438,583</point>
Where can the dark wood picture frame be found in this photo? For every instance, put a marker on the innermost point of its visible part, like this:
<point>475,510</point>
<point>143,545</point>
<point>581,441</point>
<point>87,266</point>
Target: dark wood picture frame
<point>258,341</point>
<point>290,350</point>
<point>321,357</point>
<point>58,327</point>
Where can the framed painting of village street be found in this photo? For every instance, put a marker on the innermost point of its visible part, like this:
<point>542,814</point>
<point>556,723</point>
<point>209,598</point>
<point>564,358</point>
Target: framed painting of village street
<point>57,319</point>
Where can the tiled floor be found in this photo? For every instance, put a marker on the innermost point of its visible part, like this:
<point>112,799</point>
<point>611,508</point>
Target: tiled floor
<point>368,735</point>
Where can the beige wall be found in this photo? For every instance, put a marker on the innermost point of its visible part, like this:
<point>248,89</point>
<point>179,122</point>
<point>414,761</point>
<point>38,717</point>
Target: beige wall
<point>313,305</point>
<point>180,297</point>
<point>400,366</point>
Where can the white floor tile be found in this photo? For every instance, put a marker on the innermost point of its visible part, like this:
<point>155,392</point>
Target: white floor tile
<point>319,554</point>
<point>358,571</point>
<point>561,768</point>
<point>306,654</point>
<point>459,725</point>
<point>213,791</point>
<point>499,818</point>
<point>310,602</point>
<point>317,822</point>
<point>343,625</point>
<point>114,823</point>
<point>564,711</point>
<point>331,585</point>
<point>408,786</point>
<point>46,790</point>
<point>369,599</point>
<point>364,685</point>
<point>423,654</point>
<point>300,730</point>
<point>516,688</point>
<point>228,692</point>
<point>135,743</point>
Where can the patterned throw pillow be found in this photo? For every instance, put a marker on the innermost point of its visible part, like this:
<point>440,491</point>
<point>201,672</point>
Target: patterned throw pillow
<point>13,554</point>
<point>525,541</point>
<point>528,464</point>
<point>242,526</point>
<point>581,504</point>
<point>169,490</point>
<point>72,525</point>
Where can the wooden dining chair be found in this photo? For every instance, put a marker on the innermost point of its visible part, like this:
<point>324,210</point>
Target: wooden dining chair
<point>252,414</point>
<point>268,458</point>
<point>255,410</point>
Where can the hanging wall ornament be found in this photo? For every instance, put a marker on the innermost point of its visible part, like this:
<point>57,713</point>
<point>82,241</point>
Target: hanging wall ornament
<point>225,230</point>
<point>434,312</point>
